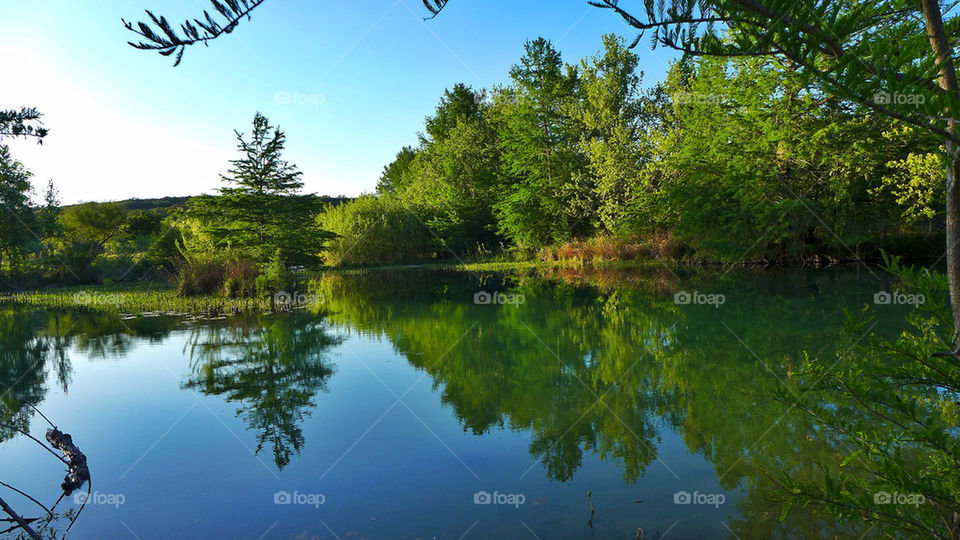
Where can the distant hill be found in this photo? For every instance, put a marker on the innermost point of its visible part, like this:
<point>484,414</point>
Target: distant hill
<point>169,203</point>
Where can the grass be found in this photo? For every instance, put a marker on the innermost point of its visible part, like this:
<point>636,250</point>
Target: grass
<point>135,299</point>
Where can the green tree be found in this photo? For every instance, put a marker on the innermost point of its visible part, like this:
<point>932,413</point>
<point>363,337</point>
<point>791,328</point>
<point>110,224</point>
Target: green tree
<point>16,215</point>
<point>541,202</point>
<point>93,222</point>
<point>260,209</point>
<point>395,173</point>
<point>610,112</point>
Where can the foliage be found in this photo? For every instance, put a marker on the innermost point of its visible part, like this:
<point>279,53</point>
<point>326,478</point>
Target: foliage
<point>373,230</point>
<point>542,200</point>
<point>275,276</point>
<point>902,474</point>
<point>24,122</point>
<point>259,211</point>
<point>166,41</point>
<point>98,223</point>
<point>731,159</point>
<point>17,216</point>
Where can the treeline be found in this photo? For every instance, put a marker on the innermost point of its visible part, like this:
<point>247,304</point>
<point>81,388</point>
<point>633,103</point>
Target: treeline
<point>247,239</point>
<point>725,160</point>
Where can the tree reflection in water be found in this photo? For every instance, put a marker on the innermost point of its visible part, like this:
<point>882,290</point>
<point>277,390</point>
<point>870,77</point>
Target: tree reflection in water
<point>272,368</point>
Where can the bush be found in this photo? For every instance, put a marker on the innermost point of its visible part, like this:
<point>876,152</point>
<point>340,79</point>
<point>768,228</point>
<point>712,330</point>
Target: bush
<point>274,277</point>
<point>74,262</point>
<point>375,230</point>
<point>240,278</point>
<point>200,278</point>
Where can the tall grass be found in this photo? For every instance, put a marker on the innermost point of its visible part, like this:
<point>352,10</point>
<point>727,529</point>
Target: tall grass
<point>141,299</point>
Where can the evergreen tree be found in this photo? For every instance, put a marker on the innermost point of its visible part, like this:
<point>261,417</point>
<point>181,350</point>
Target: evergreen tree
<point>260,210</point>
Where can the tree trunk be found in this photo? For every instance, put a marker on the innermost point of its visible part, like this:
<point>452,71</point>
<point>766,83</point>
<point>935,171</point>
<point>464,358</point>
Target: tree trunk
<point>953,235</point>
<point>948,81</point>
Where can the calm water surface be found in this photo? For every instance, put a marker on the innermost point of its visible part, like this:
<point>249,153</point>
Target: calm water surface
<point>397,403</point>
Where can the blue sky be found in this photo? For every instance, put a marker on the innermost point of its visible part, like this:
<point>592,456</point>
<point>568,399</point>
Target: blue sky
<point>361,76</point>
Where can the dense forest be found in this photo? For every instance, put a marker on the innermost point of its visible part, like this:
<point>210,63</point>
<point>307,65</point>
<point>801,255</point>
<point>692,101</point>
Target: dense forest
<point>727,160</point>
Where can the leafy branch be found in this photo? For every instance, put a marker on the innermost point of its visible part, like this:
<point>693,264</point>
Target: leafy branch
<point>23,123</point>
<point>160,36</point>
<point>434,7</point>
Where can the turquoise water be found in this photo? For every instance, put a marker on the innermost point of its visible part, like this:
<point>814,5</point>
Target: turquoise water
<point>397,405</point>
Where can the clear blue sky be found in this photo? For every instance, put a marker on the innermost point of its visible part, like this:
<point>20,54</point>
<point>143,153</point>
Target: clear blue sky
<point>126,123</point>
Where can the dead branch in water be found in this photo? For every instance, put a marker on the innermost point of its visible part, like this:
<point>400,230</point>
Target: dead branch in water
<point>77,472</point>
<point>20,521</point>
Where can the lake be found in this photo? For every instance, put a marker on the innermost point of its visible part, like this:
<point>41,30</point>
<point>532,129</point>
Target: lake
<point>439,404</point>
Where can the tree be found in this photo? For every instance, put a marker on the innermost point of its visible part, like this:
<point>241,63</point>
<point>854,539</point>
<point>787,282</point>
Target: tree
<point>451,177</point>
<point>892,57</point>
<point>457,104</point>
<point>610,113</point>
<point>540,203</point>
<point>16,215</point>
<point>260,210</point>
<point>49,212</point>
<point>393,174</point>
<point>99,223</point>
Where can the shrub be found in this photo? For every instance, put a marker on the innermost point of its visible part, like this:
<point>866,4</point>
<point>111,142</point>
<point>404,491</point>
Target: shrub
<point>240,278</point>
<point>75,262</point>
<point>274,276</point>
<point>200,278</point>
<point>375,230</point>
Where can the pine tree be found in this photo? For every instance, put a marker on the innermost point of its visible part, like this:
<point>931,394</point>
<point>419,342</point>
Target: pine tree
<point>259,211</point>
